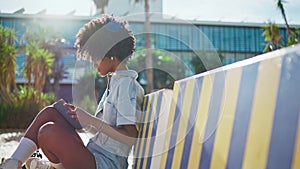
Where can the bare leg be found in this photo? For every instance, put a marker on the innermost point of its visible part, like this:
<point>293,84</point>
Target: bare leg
<point>48,114</point>
<point>59,141</point>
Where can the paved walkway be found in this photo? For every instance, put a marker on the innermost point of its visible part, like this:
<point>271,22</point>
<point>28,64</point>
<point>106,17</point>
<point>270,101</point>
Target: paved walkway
<point>10,140</point>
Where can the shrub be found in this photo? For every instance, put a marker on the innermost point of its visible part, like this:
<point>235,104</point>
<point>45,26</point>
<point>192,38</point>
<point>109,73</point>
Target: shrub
<point>19,113</point>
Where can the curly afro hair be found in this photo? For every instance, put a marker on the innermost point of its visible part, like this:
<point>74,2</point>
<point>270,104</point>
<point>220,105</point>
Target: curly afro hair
<point>105,37</point>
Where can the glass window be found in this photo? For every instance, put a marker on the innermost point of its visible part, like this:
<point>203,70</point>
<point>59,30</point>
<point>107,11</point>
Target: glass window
<point>243,39</point>
<point>250,39</point>
<point>226,38</point>
<point>237,39</point>
<point>184,38</point>
<point>260,41</point>
<point>196,38</point>
<point>173,42</point>
<point>284,35</point>
<point>20,59</point>
<point>207,40</point>
<point>7,23</point>
<point>216,37</point>
<point>232,39</point>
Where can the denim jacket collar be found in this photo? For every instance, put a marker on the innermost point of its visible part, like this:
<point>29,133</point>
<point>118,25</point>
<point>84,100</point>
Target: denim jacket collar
<point>127,73</point>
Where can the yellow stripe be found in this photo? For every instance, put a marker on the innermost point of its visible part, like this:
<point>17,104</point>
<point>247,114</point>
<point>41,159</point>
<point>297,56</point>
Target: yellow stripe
<point>227,112</point>
<point>261,120</point>
<point>150,129</point>
<point>296,161</point>
<point>138,139</point>
<point>201,120</point>
<point>170,124</point>
<point>161,128</point>
<point>184,120</point>
<point>144,125</point>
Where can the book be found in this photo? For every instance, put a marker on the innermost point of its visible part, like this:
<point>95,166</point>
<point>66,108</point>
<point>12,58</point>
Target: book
<point>62,109</point>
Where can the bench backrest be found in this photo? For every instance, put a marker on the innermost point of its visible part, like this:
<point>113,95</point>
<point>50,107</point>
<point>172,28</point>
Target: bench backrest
<point>244,115</point>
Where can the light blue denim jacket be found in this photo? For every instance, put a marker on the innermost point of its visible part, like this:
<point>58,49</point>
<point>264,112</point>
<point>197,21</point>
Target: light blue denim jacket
<point>120,105</point>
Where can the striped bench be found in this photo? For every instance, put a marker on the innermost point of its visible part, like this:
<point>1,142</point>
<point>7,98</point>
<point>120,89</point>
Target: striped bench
<point>244,115</point>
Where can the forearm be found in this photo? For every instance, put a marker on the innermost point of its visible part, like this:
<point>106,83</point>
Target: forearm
<point>126,134</point>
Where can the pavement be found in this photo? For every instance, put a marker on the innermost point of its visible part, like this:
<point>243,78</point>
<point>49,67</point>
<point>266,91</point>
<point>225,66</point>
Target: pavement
<point>9,141</point>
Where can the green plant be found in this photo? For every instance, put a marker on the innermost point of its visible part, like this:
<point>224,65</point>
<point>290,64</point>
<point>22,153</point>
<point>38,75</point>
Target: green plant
<point>18,107</point>
<point>293,34</point>
<point>7,64</point>
<point>49,40</point>
<point>272,37</point>
<point>166,69</point>
<point>291,37</point>
<point>19,113</point>
<point>88,104</point>
<point>86,90</point>
<point>38,65</point>
<point>296,37</point>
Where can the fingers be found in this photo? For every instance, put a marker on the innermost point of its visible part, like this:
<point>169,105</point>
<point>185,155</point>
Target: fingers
<point>72,109</point>
<point>71,112</point>
<point>73,115</point>
<point>70,106</point>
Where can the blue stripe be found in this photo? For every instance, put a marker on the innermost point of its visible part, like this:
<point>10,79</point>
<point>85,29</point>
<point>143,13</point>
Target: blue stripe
<point>147,130</point>
<point>137,158</point>
<point>286,115</point>
<point>212,120</point>
<point>176,121</point>
<point>242,117</point>
<point>191,124</point>
<point>154,129</point>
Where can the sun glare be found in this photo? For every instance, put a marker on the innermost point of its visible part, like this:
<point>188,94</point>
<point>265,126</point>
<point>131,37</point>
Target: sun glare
<point>59,7</point>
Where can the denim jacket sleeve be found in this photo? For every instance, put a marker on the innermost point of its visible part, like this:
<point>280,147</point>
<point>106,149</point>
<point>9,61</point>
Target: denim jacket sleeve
<point>126,102</point>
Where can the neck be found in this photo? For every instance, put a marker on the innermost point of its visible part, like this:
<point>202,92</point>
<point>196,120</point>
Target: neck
<point>122,67</point>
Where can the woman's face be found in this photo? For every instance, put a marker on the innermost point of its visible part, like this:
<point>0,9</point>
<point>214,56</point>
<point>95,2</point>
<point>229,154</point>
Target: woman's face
<point>104,66</point>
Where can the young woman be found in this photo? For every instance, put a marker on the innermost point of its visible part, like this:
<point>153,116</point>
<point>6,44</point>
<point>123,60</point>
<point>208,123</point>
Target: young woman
<point>108,43</point>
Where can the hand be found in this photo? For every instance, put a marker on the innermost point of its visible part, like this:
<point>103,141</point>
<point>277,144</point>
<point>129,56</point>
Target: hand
<point>70,106</point>
<point>83,117</point>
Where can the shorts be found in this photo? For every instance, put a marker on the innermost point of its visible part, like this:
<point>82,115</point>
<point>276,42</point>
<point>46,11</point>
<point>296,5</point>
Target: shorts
<point>105,159</point>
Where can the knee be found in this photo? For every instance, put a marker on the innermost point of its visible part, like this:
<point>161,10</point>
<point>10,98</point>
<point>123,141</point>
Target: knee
<point>50,134</point>
<point>48,113</point>
<point>46,131</point>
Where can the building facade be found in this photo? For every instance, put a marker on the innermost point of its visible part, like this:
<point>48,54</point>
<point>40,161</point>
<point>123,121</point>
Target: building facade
<point>185,39</point>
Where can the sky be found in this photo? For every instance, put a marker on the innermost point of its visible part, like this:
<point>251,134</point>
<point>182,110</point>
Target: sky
<point>258,11</point>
